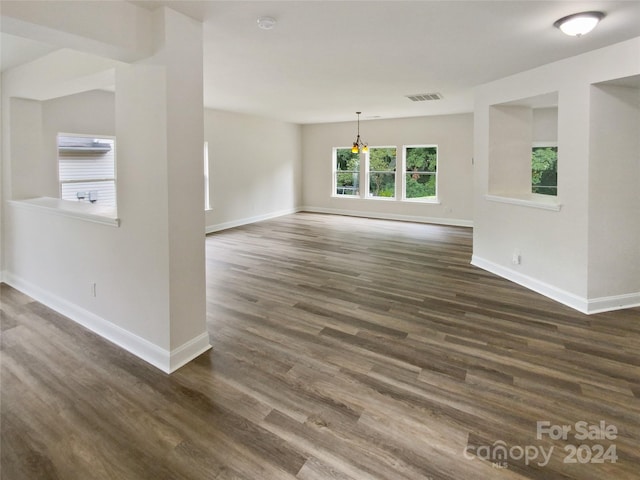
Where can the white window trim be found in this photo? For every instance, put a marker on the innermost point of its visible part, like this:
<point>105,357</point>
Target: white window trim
<point>400,185</point>
<point>433,200</point>
<point>367,178</point>
<point>536,197</point>
<point>334,171</point>
<point>207,186</point>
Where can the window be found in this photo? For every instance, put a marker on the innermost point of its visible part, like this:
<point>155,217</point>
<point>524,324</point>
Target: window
<point>207,199</point>
<point>382,172</point>
<point>523,139</point>
<point>420,166</point>
<point>87,169</point>
<point>346,172</point>
<point>544,169</point>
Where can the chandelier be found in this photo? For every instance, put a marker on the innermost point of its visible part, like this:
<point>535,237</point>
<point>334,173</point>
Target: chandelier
<point>359,145</point>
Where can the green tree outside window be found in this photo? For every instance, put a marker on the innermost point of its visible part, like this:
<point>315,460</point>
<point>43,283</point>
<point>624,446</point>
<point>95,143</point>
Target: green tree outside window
<point>347,172</point>
<point>420,174</point>
<point>382,172</point>
<point>544,170</point>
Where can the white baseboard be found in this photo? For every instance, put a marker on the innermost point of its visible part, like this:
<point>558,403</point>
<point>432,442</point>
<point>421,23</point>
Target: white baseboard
<point>188,351</point>
<point>391,216</point>
<point>334,211</point>
<point>584,305</point>
<point>247,220</point>
<point>615,302</point>
<point>165,360</point>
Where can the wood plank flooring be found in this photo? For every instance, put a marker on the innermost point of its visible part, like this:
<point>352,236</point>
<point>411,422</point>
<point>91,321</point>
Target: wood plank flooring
<point>343,348</point>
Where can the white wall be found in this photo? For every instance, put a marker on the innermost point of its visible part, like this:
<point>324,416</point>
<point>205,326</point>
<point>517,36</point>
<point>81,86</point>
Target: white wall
<point>35,126</point>
<point>90,113</point>
<point>614,179</point>
<point>510,137</point>
<point>452,133</point>
<point>114,29</point>
<point>63,256</point>
<point>254,174</point>
<point>149,273</point>
<point>545,125</point>
<point>25,143</point>
<point>554,245</point>
<point>2,182</point>
<point>31,239</point>
<point>254,168</point>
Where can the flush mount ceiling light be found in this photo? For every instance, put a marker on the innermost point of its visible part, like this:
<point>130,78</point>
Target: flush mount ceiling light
<point>266,23</point>
<point>579,24</point>
<point>359,145</point>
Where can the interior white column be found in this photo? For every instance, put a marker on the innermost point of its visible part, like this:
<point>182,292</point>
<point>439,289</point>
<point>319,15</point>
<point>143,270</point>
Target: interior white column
<point>159,126</point>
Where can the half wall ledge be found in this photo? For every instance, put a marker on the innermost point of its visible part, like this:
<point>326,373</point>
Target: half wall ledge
<point>82,211</point>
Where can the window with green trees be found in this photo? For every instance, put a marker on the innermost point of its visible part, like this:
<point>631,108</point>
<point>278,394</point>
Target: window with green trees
<point>347,172</point>
<point>382,172</point>
<point>544,170</point>
<point>421,172</point>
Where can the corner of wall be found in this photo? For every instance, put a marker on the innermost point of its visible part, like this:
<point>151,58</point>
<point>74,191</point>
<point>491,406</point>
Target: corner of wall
<point>588,306</point>
<point>247,220</point>
<point>165,360</point>
<point>455,222</point>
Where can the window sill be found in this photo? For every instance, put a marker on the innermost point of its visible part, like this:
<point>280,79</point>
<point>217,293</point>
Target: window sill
<point>82,211</point>
<point>533,200</point>
<point>335,195</point>
<point>384,199</point>
<point>432,201</point>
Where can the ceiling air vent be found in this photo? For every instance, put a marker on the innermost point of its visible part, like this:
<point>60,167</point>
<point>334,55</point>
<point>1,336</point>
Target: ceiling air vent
<point>423,97</point>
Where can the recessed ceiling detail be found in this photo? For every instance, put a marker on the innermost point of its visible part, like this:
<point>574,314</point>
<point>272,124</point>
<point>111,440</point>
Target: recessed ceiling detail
<point>424,97</point>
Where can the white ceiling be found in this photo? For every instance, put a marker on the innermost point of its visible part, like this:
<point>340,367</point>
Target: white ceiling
<point>15,51</point>
<point>324,60</point>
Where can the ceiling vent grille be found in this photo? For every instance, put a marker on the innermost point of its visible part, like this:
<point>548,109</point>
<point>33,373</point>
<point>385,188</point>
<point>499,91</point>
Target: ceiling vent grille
<point>424,97</point>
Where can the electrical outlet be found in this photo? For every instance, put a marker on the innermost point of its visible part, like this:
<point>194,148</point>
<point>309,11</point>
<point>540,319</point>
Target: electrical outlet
<point>516,258</point>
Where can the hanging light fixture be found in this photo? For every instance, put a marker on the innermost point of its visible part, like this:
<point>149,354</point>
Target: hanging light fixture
<point>579,24</point>
<point>359,145</point>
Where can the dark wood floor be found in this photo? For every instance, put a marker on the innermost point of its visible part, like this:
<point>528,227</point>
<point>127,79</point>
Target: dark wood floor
<point>343,348</point>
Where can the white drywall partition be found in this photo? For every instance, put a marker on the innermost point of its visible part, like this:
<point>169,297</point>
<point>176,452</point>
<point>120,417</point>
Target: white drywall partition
<point>561,245</point>
<point>140,284</point>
